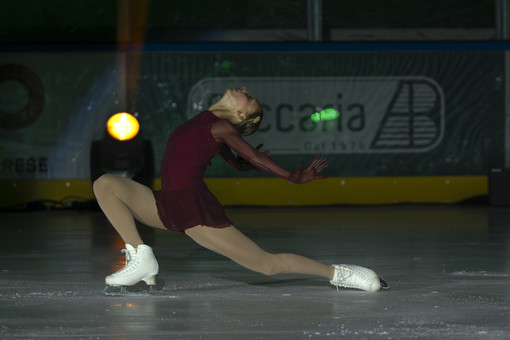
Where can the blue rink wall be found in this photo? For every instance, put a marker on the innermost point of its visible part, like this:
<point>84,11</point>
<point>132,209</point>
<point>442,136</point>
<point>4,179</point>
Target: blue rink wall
<point>419,122</point>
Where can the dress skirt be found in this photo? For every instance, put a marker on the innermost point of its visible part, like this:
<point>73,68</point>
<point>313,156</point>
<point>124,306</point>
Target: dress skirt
<point>187,207</point>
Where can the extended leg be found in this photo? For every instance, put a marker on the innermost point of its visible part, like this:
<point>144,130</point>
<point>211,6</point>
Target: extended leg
<point>231,243</point>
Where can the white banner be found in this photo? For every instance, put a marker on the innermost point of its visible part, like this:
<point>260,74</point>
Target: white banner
<point>377,115</point>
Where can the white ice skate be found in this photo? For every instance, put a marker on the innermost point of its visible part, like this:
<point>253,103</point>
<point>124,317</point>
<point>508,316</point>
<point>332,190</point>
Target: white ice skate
<point>351,276</point>
<point>141,266</point>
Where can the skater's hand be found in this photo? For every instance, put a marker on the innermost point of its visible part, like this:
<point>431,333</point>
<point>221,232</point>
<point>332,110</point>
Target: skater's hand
<point>308,174</point>
<point>244,164</point>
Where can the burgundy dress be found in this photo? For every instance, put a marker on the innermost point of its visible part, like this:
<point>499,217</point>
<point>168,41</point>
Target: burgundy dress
<point>184,200</point>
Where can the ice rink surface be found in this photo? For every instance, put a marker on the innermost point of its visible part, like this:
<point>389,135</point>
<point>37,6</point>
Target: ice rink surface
<point>448,268</point>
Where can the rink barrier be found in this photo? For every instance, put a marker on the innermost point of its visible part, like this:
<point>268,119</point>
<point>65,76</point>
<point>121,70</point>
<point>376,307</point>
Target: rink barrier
<point>272,191</point>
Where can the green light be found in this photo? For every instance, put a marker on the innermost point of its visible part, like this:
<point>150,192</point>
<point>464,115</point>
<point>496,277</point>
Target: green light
<point>326,114</point>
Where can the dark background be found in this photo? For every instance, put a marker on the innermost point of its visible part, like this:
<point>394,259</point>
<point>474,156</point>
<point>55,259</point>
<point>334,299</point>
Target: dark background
<point>85,21</point>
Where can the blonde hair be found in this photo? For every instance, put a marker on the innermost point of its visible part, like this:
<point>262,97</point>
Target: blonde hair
<point>250,125</point>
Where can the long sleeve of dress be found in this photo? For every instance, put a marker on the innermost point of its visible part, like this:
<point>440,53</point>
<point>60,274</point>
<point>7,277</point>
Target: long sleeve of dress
<point>225,131</point>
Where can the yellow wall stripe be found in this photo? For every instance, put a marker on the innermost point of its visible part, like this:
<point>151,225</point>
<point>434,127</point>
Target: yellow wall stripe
<point>277,192</point>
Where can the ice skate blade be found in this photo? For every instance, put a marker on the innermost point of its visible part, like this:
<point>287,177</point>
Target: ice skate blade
<point>139,289</point>
<point>384,285</point>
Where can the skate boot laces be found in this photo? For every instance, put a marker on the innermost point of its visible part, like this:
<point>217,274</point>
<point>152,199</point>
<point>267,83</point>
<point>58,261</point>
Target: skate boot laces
<point>132,261</point>
<point>128,256</point>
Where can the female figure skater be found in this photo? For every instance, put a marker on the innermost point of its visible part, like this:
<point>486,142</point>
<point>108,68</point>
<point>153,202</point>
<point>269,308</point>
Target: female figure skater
<point>185,204</point>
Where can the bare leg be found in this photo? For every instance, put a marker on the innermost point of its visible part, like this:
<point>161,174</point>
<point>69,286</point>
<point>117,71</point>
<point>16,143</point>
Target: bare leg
<point>233,244</point>
<point>122,200</point>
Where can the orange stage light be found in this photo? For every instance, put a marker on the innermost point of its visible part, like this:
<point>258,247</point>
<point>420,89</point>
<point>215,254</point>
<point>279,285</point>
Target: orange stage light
<point>123,126</point>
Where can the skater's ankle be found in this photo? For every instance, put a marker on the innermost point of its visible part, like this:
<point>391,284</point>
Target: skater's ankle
<point>135,244</point>
<point>331,272</point>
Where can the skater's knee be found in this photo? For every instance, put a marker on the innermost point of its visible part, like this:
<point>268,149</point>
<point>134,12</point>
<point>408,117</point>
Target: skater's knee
<point>102,184</point>
<point>269,271</point>
<point>271,265</point>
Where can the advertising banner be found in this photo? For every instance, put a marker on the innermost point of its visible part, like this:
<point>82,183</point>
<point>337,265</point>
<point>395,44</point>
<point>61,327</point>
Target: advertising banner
<point>400,114</point>
<point>52,105</point>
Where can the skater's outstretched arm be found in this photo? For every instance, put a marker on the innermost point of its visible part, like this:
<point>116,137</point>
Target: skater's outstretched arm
<point>224,130</point>
<point>238,163</point>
